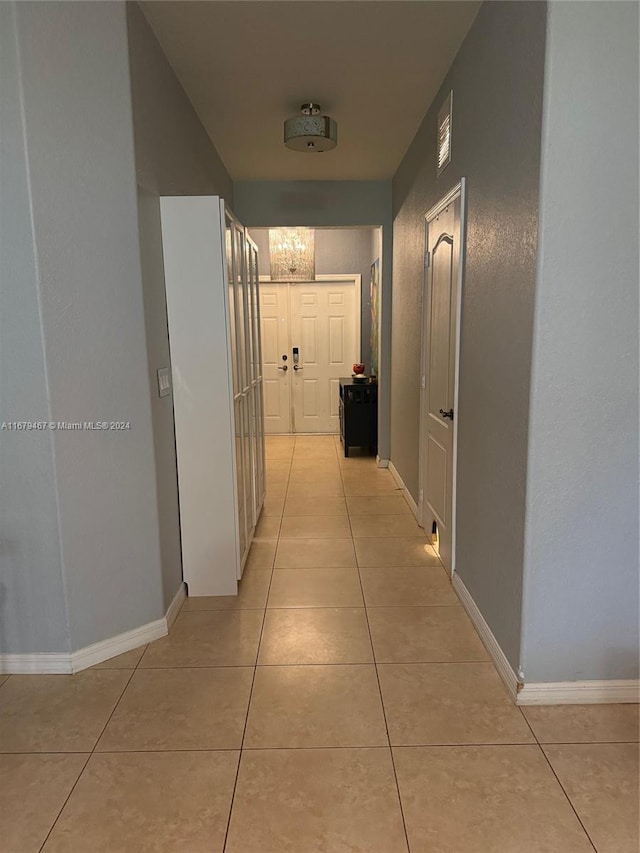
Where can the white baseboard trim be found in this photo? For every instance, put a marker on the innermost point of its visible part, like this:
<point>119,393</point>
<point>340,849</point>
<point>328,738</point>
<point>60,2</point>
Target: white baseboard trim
<point>579,692</point>
<point>118,645</point>
<point>405,491</point>
<point>499,658</point>
<point>382,463</point>
<point>176,606</point>
<point>47,663</point>
<point>62,663</point>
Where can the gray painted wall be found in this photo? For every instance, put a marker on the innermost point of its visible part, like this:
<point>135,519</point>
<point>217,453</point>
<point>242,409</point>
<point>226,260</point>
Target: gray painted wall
<point>332,204</point>
<point>32,603</point>
<point>174,156</point>
<point>581,571</point>
<point>338,250</point>
<point>80,148</point>
<point>497,80</point>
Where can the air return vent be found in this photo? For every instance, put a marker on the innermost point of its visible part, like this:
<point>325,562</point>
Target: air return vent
<point>444,133</point>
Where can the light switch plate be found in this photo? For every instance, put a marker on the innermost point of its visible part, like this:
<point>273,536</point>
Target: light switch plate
<point>164,381</point>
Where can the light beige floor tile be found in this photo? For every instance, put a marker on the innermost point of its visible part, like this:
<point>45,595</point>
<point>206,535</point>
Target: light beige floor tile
<point>180,709</point>
<point>424,635</point>
<point>386,525</point>
<point>322,481</point>
<point>316,801</point>
<point>128,660</point>
<point>278,454</point>
<point>487,799</point>
<point>449,703</point>
<point>314,468</point>
<point>314,490</point>
<point>33,790</point>
<point>413,551</point>
<point>315,527</point>
<point>315,588</point>
<point>378,505</point>
<point>208,638</point>
<point>58,713</point>
<point>277,488</point>
<point>583,723</point>
<point>315,553</point>
<point>315,506</point>
<point>315,706</point>
<point>314,442</point>
<point>261,554</point>
<point>358,460</point>
<point>135,802</point>
<point>407,587</point>
<point>377,475</point>
<point>323,635</point>
<point>277,483</point>
<point>363,484</point>
<point>268,527</point>
<point>252,595</point>
<point>273,506</point>
<point>278,468</point>
<point>601,780</point>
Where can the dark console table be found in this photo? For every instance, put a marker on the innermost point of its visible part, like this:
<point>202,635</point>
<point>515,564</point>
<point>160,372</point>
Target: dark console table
<point>358,414</point>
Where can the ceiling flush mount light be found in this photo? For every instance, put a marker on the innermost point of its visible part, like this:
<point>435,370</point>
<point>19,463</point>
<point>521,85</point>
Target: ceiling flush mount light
<point>310,132</point>
<point>291,254</point>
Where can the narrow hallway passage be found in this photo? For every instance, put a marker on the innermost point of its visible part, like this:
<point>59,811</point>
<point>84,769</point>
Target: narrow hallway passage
<point>342,702</point>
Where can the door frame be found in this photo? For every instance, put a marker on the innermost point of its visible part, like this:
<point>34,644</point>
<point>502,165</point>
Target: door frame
<point>458,191</point>
<point>356,278</point>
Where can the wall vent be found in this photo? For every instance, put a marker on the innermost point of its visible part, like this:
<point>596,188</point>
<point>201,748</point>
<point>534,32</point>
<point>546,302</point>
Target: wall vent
<point>445,118</point>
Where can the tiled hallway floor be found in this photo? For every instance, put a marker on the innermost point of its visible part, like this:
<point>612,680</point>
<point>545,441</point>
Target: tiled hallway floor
<point>341,703</point>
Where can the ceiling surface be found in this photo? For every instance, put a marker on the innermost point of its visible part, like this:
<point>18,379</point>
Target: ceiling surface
<point>373,66</point>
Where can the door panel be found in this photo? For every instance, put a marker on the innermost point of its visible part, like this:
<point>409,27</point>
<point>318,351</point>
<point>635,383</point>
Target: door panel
<point>274,331</point>
<point>440,347</point>
<point>324,328</point>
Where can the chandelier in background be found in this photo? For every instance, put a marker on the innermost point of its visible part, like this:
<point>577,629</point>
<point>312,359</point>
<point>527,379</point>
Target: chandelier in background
<point>292,254</point>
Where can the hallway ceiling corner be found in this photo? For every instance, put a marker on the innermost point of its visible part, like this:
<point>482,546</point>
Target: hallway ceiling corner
<point>374,65</point>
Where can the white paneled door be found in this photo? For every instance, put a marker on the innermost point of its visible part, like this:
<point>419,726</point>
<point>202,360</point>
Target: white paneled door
<point>274,317</point>
<point>310,338</point>
<point>440,342</point>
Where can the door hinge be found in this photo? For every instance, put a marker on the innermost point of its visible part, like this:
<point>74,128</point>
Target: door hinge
<point>427,259</point>
<point>423,382</point>
<point>421,496</point>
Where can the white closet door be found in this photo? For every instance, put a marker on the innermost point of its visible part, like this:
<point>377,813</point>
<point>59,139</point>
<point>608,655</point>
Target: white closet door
<point>274,323</point>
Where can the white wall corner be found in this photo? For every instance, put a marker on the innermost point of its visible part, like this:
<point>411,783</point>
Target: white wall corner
<point>405,491</point>
<point>505,670</point>
<point>62,663</point>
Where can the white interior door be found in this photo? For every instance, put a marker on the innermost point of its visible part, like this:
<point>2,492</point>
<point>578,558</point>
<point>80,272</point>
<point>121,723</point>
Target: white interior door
<point>440,340</point>
<point>325,331</point>
<point>276,356</point>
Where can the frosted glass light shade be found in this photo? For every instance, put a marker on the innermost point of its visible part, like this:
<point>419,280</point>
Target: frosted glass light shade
<point>292,254</point>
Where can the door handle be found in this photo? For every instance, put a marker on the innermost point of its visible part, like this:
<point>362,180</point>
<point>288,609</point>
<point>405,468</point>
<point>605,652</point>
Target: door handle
<point>295,367</point>
<point>448,414</point>
<point>284,367</point>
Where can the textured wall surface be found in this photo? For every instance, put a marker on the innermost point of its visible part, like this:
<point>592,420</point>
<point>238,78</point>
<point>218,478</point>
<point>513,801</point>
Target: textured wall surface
<point>79,138</point>
<point>338,250</point>
<point>581,576</point>
<point>32,604</point>
<point>497,80</point>
<point>174,154</point>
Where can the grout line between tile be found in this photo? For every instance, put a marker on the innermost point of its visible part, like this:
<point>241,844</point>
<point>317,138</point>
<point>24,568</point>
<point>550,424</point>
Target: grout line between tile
<point>384,712</point>
<point>255,669</point>
<point>562,788</point>
<point>90,755</point>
